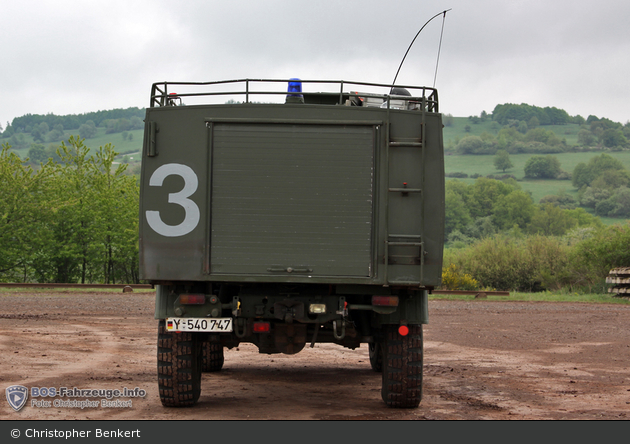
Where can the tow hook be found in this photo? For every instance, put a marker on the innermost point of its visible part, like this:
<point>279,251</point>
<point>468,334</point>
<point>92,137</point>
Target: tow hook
<point>343,329</point>
<point>237,323</point>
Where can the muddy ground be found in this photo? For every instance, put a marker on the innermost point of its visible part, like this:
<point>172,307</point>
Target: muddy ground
<point>483,360</point>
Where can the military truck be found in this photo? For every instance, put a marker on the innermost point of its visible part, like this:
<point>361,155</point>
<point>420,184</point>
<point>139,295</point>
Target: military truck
<point>287,213</point>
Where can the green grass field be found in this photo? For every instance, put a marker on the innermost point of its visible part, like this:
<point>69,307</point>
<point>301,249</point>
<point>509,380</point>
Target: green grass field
<point>484,165</point>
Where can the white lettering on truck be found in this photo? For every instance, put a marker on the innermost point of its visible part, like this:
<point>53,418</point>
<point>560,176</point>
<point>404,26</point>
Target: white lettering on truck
<point>181,198</point>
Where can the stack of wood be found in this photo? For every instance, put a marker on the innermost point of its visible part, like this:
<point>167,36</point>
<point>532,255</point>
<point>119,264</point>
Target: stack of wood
<point>620,277</point>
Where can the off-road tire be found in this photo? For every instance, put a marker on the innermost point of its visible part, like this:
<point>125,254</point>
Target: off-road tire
<point>402,367</point>
<point>179,367</point>
<point>212,357</point>
<point>376,356</point>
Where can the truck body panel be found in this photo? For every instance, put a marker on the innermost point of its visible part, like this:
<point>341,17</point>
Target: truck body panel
<point>270,188</point>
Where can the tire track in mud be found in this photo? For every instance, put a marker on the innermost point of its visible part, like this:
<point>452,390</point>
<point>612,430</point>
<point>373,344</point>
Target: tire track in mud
<point>76,348</point>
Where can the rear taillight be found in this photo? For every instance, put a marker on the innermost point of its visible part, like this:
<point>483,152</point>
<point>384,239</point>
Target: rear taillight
<point>385,301</point>
<point>262,327</point>
<point>192,299</point>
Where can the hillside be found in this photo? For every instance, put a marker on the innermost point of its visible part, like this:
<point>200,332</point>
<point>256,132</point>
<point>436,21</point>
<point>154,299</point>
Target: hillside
<point>125,145</point>
<point>570,143</point>
<point>457,130</point>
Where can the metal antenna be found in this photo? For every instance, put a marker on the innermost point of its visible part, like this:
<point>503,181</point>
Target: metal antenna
<point>437,62</point>
<point>414,39</point>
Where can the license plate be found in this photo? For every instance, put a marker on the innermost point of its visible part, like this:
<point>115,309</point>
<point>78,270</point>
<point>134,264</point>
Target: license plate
<point>216,325</point>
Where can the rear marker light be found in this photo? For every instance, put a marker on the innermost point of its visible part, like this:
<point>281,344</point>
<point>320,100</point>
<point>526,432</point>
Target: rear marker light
<point>403,330</point>
<point>262,327</point>
<point>192,299</point>
<point>388,301</point>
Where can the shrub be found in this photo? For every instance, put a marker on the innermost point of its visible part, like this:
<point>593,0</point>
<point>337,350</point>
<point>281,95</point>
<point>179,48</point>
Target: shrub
<point>562,200</point>
<point>454,279</point>
<point>542,167</point>
<point>470,145</point>
<point>594,257</point>
<point>528,264</point>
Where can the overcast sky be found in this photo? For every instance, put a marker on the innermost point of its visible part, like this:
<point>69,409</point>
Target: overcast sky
<point>77,56</point>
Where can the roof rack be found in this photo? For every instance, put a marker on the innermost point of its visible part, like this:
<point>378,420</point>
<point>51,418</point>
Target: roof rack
<point>314,91</point>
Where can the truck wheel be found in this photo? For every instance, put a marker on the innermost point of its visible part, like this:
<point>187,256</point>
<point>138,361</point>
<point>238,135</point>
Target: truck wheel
<point>376,356</point>
<point>212,357</point>
<point>179,367</point>
<point>402,367</point>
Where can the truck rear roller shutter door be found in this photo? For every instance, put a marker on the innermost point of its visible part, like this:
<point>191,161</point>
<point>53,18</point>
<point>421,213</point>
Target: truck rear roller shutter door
<point>292,198</point>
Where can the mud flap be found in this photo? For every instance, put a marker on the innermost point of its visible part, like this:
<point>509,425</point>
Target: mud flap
<point>290,338</point>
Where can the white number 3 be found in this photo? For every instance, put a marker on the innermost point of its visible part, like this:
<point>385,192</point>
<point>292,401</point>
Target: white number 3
<point>191,219</point>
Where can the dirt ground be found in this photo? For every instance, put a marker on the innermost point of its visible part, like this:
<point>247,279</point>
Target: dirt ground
<point>483,360</point>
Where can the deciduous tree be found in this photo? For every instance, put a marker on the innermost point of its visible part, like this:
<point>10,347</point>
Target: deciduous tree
<point>502,160</point>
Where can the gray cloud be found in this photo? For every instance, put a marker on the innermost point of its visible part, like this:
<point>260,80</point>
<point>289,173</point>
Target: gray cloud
<point>75,56</point>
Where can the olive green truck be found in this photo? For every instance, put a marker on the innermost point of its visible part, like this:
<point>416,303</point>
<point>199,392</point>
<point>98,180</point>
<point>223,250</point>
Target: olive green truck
<point>288,217</point>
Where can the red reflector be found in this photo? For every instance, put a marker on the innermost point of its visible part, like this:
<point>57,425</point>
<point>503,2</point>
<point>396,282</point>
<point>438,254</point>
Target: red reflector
<point>191,299</point>
<point>390,301</point>
<point>403,330</point>
<point>262,327</point>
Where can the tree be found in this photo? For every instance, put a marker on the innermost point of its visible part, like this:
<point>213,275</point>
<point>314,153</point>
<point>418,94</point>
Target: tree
<point>37,154</point>
<point>507,137</point>
<point>584,219</point>
<point>612,180</point>
<point>55,135</point>
<point>586,138</point>
<point>516,208</point>
<point>89,228</point>
<point>88,130</point>
<point>447,119</point>
<point>585,174</point>
<point>549,220</point>
<point>37,135</point>
<point>25,204</point>
<point>9,131</point>
<point>502,160</point>
<point>117,210</point>
<point>457,216</point>
<point>136,123</point>
<point>613,137</point>
<point>617,205</point>
<point>484,194</point>
<point>542,167</point>
<point>542,135</point>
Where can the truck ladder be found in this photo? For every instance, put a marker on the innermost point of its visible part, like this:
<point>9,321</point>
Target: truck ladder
<point>406,240</point>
